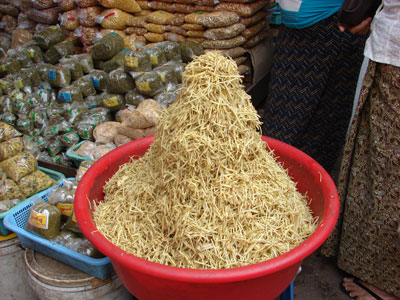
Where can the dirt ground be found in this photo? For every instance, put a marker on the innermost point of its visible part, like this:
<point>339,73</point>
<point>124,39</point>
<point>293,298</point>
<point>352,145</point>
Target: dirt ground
<point>319,280</point>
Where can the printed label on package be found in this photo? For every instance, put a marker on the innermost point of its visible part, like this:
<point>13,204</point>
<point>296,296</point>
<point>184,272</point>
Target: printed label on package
<point>39,220</point>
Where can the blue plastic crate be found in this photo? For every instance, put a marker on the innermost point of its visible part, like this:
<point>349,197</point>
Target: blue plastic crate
<point>16,221</point>
<point>57,176</point>
<point>76,159</point>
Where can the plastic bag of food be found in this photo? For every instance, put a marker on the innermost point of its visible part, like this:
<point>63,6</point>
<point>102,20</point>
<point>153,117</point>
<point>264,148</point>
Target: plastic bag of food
<point>20,37</point>
<point>85,85</point>
<point>160,17</point>
<point>8,24</point>
<point>172,50</point>
<point>43,70</point>
<point>155,28</point>
<point>38,117</point>
<point>157,55</point>
<point>113,102</point>
<point>7,84</point>
<point>9,190</point>
<point>10,148</point>
<point>87,35</point>
<point>44,220</point>
<point>9,9</point>
<point>9,66</point>
<point>114,19</point>
<point>24,125</point>
<point>224,44</point>
<point>167,73</point>
<point>249,21</point>
<point>8,117</point>
<point>73,65</point>
<point>222,33</point>
<point>108,46</point>
<point>137,62</point>
<point>49,37</point>
<point>100,80</point>
<point>144,116</point>
<point>82,246</point>
<point>125,5</point>
<point>134,98</point>
<point>88,16</point>
<point>59,76</point>
<point>86,3</point>
<point>121,82</point>
<point>35,183</point>
<point>74,115</point>
<point>139,31</point>
<point>132,42</point>
<point>99,115</point>
<point>43,4</point>
<point>6,205</point>
<point>25,23</point>
<point>30,73</point>
<point>154,37</point>
<point>136,21</point>
<point>51,56</point>
<point>255,29</point>
<point>116,62</point>
<point>165,98</point>
<point>256,39</point>
<point>104,32</point>
<point>242,9</point>
<point>179,67</point>
<point>70,94</point>
<point>102,150</point>
<point>19,165</point>
<point>86,150</point>
<point>232,52</point>
<point>21,107</point>
<point>190,49</point>
<point>121,139</point>
<point>65,48</point>
<point>83,167</point>
<point>86,62</point>
<point>213,19</point>
<point>70,139</point>
<point>106,132</point>
<point>66,5</point>
<point>149,83</point>
<point>69,20</point>
<point>137,133</point>
<point>55,147</point>
<point>46,16</point>
<point>63,199</point>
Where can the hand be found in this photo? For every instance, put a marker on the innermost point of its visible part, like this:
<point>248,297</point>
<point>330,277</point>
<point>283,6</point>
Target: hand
<point>362,28</point>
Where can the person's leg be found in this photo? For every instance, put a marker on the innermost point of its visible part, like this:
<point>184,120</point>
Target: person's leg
<point>361,290</point>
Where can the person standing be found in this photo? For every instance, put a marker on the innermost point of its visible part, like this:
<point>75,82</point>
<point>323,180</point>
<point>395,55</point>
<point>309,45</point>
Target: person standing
<point>366,238</point>
<point>313,80</point>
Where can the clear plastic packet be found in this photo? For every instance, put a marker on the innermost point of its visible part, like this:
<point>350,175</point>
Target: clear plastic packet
<point>33,76</point>
<point>113,19</point>
<point>44,219</point>
<point>22,81</point>
<point>86,62</point>
<point>11,147</point>
<point>66,5</point>
<point>34,51</point>
<point>137,62</point>
<point>157,55</point>
<point>70,139</point>
<point>83,167</point>
<point>8,117</point>
<point>7,84</point>
<point>116,62</point>
<point>108,46</point>
<point>190,49</point>
<point>222,33</point>
<point>113,102</point>
<point>43,70</point>
<point>121,82</point>
<point>24,125</point>
<point>9,66</point>
<point>179,67</point>
<point>86,150</point>
<point>70,94</point>
<point>23,58</point>
<point>166,98</point>
<point>88,16</point>
<point>101,150</point>
<point>85,85</point>
<point>54,147</point>
<point>100,80</point>
<point>35,183</point>
<point>38,117</point>
<point>93,101</point>
<point>85,131</point>
<point>9,190</point>
<point>65,48</point>
<point>49,36</point>
<point>73,66</point>
<point>171,50</point>
<point>167,73</point>
<point>149,83</point>
<point>58,76</point>
<point>106,132</point>
<point>46,16</point>
<point>6,205</point>
<point>213,19</point>
<point>19,165</point>
<point>224,44</point>
<point>134,98</point>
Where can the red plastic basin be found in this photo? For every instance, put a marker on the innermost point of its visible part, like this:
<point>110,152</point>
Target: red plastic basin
<point>265,280</point>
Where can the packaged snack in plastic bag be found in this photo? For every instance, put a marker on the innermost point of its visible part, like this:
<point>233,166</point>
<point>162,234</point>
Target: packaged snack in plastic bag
<point>19,165</point>
<point>34,52</point>
<point>32,74</point>
<point>43,70</point>
<point>9,66</point>
<point>113,102</point>
<point>49,36</point>
<point>9,190</point>
<point>58,76</point>
<point>108,46</point>
<point>44,220</point>
<point>134,98</point>
<point>179,67</point>
<point>100,80</point>
<point>75,114</point>
<point>93,101</point>
<point>160,17</point>
<point>121,82</point>
<point>102,150</point>
<point>116,62</point>
<point>10,148</point>
<point>70,94</point>
<point>126,5</point>
<point>149,83</point>
<point>65,48</point>
<point>157,55</point>
<point>223,33</point>
<point>45,16</point>
<point>73,66</point>
<point>144,116</point>
<point>172,50</point>
<point>85,131</point>
<point>165,97</point>
<point>86,150</point>
<point>85,85</point>
<point>83,167</point>
<point>213,19</point>
<point>70,139</point>
<point>24,125</point>
<point>66,5</point>
<point>242,9</point>
<point>35,183</point>
<point>8,23</point>
<point>190,49</point>
<point>51,56</point>
<point>86,62</point>
<point>8,117</point>
<point>106,132</point>
<point>43,4</point>
<point>114,19</point>
<point>55,147</point>
<point>224,44</point>
<point>137,62</point>
<point>6,205</point>
<point>167,73</point>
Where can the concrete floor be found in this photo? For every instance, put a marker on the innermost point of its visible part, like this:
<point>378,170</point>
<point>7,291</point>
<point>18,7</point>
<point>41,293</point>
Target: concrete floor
<point>319,279</point>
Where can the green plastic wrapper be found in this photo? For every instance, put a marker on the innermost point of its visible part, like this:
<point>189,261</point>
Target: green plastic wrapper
<point>64,126</point>
<point>54,111</point>
<point>55,147</point>
<point>113,102</point>
<point>23,58</point>
<point>33,75</point>
<point>59,77</point>
<point>149,83</point>
<point>35,183</point>
<point>35,53</point>
<point>86,62</point>
<point>50,132</point>
<point>9,190</point>
<point>157,55</point>
<point>75,114</point>
<point>85,85</point>
<point>121,82</point>
<point>172,50</point>
<point>24,125</point>
<point>22,107</point>
<point>49,37</point>
<point>85,131</point>
<point>189,49</point>
<point>70,139</point>
<point>116,62</point>
<point>134,98</point>
<point>73,66</point>
<point>65,48</point>
<point>93,101</point>
<point>108,46</point>
<point>137,62</point>
<point>9,66</point>
<point>43,70</point>
<point>7,84</point>
<point>44,220</point>
<point>100,80</point>
<point>7,104</point>
<point>51,56</point>
<point>38,117</point>
<point>19,165</point>
<point>70,94</point>
<point>99,115</point>
<point>167,74</point>
<point>8,117</point>
<point>11,147</point>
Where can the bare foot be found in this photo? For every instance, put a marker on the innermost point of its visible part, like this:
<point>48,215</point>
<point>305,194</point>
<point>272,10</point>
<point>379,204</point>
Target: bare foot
<point>357,292</point>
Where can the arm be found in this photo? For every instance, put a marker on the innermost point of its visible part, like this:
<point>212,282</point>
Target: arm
<point>362,28</point>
